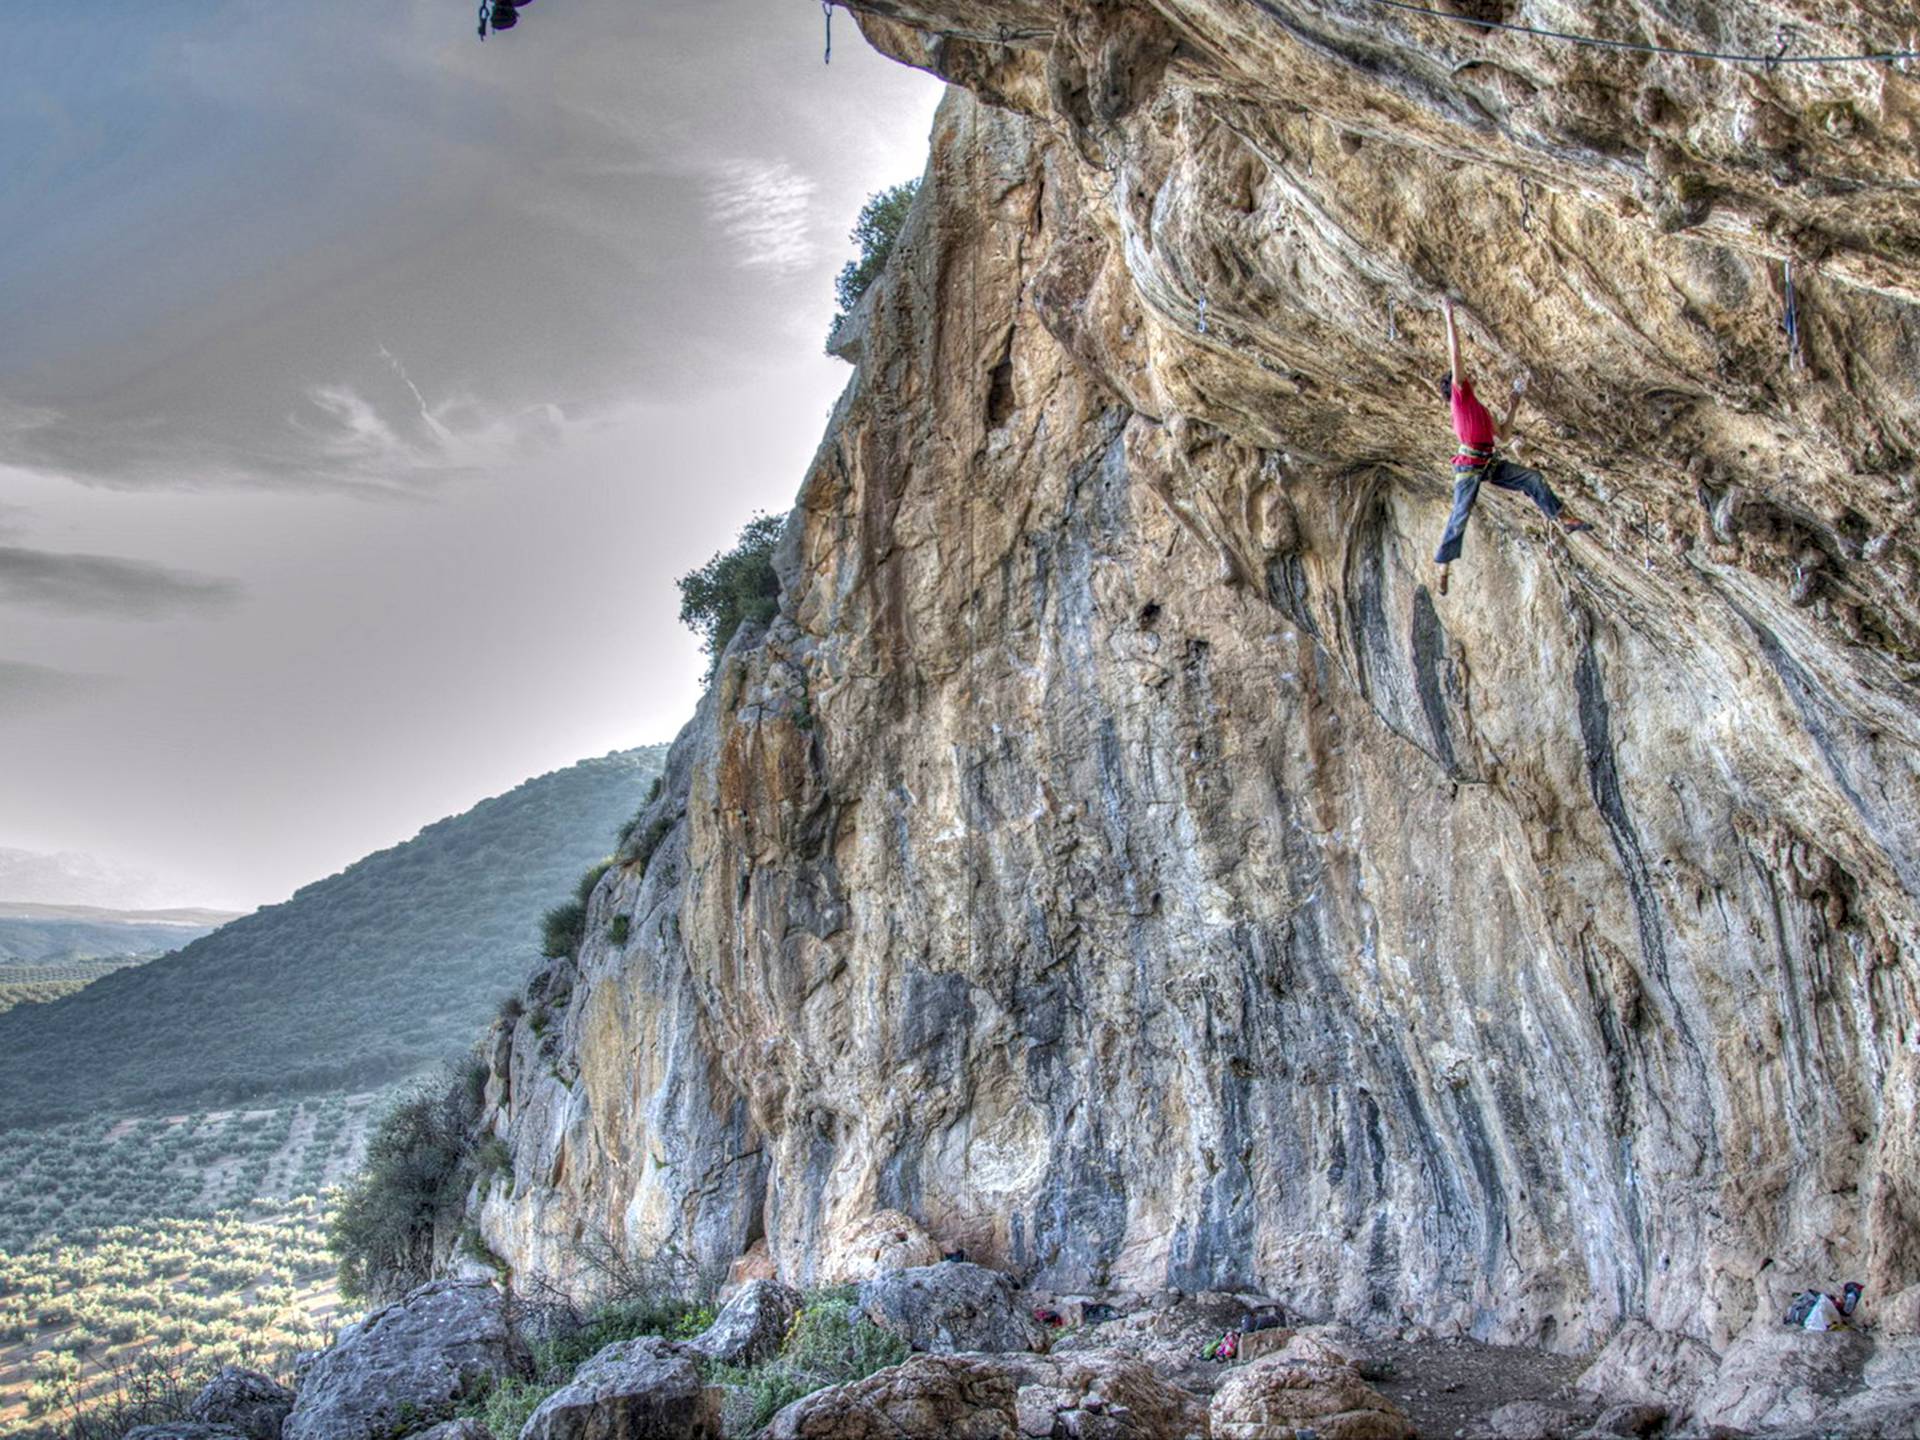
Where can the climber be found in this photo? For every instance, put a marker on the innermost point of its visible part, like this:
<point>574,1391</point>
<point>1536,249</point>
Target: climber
<point>1477,464</point>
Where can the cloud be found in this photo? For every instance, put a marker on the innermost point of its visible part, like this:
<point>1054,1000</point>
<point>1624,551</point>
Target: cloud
<point>765,208</point>
<point>26,689</point>
<point>105,585</point>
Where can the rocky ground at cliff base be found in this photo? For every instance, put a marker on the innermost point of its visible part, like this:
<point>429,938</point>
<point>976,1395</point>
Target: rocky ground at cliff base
<point>981,1366</point>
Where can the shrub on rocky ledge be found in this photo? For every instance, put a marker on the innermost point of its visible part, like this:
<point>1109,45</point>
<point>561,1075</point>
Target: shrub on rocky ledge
<point>382,1232</point>
<point>831,1343</point>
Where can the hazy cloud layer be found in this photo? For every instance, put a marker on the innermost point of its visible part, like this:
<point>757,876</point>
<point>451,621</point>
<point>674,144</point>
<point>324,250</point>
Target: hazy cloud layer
<point>557,299</point>
<point>103,585</point>
<point>28,689</point>
<point>302,246</point>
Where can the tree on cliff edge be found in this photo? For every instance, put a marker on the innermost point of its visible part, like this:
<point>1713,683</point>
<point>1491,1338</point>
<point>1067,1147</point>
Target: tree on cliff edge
<point>879,225</point>
<point>732,588</point>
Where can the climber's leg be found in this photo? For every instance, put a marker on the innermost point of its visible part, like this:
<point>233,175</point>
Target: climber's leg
<point>1530,483</point>
<point>1466,490</point>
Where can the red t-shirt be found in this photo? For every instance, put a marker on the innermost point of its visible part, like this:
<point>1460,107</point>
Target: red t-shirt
<point>1471,422</point>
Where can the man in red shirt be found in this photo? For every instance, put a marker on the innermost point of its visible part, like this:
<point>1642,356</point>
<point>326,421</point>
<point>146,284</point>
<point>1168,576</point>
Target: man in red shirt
<point>1477,464</point>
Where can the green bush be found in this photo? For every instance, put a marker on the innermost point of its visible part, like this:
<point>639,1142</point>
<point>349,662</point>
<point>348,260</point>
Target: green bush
<point>732,588</point>
<point>382,1232</point>
<point>831,1343</point>
<point>637,851</point>
<point>509,1404</point>
<point>561,930</point>
<point>619,929</point>
<point>565,926</point>
<point>875,231</point>
<point>672,1316</point>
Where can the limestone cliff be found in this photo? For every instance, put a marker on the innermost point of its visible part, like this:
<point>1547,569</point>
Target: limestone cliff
<point>1117,857</point>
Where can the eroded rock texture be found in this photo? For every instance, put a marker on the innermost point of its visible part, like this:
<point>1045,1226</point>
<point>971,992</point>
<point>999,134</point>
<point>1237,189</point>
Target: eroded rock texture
<point>1117,858</point>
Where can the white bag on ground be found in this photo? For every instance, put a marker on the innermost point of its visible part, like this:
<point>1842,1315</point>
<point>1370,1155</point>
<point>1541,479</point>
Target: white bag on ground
<point>1825,1315</point>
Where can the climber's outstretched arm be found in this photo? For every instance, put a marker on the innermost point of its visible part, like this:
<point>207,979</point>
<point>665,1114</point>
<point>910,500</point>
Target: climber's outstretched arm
<point>1453,340</point>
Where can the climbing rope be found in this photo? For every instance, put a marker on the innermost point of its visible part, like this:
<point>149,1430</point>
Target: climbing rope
<point>1796,349</point>
<point>1728,57</point>
<point>826,9</point>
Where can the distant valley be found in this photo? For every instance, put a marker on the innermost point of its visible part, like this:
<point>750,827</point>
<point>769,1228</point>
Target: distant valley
<point>358,980</point>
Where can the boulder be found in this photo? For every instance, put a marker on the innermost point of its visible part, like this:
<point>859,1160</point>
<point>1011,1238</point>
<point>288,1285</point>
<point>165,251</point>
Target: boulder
<point>1166,1336</point>
<point>455,1430</point>
<point>1101,1396</point>
<point>950,1307</point>
<point>931,1397</point>
<point>1640,1365</point>
<point>885,1240</point>
<point>643,1389</point>
<point>752,1325</point>
<point>1532,1420</point>
<point>1777,1375</point>
<point>1316,1345</point>
<point>184,1430</point>
<point>1275,1399</point>
<point>252,1403</point>
<point>1627,1422</point>
<point>419,1356</point>
<point>1871,1415</point>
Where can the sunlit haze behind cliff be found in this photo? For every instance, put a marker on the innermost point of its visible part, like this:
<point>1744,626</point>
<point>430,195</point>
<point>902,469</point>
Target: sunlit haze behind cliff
<point>365,388</point>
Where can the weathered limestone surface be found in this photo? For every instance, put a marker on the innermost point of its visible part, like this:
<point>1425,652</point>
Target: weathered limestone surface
<point>409,1362</point>
<point>1118,858</point>
<point>646,1389</point>
<point>944,1308</point>
<point>1273,1399</point>
<point>252,1403</point>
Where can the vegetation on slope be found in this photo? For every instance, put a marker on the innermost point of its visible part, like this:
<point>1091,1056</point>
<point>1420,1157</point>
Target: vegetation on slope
<point>35,984</point>
<point>47,940</point>
<point>120,1329</point>
<point>65,1182</point>
<point>370,975</point>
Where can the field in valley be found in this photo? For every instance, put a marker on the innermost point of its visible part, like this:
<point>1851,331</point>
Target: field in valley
<point>195,1240</point>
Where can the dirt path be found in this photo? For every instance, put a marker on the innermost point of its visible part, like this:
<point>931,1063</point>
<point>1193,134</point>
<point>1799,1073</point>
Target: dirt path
<point>1449,1387</point>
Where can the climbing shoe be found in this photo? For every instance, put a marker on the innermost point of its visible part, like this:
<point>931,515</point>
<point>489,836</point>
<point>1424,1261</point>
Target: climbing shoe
<point>1573,526</point>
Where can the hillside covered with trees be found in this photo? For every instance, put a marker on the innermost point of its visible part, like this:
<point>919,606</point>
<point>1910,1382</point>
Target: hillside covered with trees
<point>368,975</point>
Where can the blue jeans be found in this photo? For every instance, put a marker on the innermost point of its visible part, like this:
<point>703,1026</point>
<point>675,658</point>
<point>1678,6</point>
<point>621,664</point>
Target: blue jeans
<point>1466,490</point>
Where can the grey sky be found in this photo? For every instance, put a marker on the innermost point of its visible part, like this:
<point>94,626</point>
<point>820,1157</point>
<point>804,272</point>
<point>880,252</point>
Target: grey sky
<point>364,388</point>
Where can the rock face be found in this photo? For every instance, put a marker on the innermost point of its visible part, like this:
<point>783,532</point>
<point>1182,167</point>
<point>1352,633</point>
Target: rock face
<point>414,1358</point>
<point>944,1308</point>
<point>635,1390</point>
<point>1117,856</point>
<point>184,1430</point>
<point>250,1402</point>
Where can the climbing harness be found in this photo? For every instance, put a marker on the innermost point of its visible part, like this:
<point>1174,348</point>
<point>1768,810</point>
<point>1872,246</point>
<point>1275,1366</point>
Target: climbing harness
<point>826,9</point>
<point>1729,57</point>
